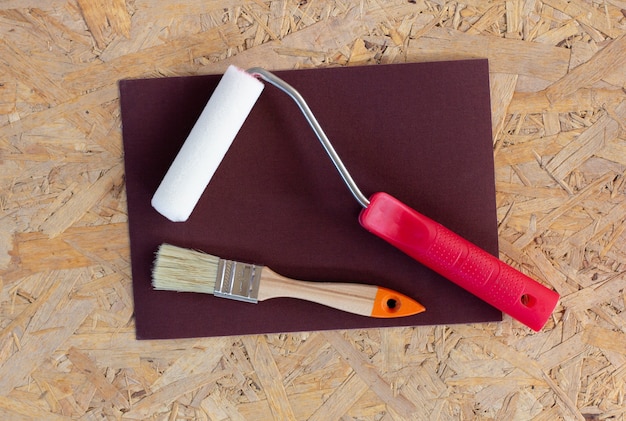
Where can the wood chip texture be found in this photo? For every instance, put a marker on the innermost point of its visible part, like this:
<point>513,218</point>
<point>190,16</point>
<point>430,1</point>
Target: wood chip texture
<point>67,346</point>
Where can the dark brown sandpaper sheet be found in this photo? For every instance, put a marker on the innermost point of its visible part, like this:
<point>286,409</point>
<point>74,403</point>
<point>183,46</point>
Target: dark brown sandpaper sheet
<point>421,132</point>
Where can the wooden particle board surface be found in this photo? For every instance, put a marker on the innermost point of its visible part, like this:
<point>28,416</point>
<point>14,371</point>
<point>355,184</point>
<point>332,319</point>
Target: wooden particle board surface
<point>67,338</point>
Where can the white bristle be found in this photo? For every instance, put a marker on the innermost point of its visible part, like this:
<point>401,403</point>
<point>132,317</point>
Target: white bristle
<point>184,270</point>
<point>206,145</point>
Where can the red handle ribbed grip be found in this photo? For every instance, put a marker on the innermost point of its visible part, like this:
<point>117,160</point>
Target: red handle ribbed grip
<point>460,261</point>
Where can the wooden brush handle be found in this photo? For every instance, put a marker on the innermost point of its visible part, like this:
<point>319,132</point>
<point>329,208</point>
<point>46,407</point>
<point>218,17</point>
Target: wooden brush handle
<point>365,300</point>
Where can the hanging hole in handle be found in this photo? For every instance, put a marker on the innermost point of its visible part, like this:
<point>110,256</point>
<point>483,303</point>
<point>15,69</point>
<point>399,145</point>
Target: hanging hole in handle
<point>528,300</point>
<point>391,304</point>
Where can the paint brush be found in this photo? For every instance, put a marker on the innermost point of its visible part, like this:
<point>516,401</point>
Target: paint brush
<point>185,270</point>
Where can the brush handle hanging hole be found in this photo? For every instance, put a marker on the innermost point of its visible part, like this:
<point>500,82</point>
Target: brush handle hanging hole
<point>391,304</point>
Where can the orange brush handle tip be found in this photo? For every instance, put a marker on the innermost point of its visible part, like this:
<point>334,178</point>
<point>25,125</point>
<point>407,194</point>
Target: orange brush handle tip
<point>389,303</point>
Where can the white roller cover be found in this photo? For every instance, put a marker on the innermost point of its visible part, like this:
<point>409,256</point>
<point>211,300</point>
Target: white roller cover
<point>207,144</point>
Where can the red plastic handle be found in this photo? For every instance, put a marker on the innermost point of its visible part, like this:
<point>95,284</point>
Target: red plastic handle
<point>460,261</point>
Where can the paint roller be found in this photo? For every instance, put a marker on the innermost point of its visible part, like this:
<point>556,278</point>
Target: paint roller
<point>425,240</point>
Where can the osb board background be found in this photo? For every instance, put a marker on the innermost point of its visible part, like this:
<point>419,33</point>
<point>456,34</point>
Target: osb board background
<point>67,347</point>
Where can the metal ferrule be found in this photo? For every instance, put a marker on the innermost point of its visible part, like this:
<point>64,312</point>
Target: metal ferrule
<point>238,281</point>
